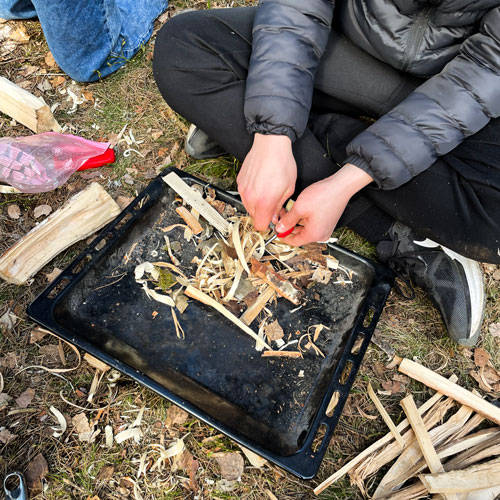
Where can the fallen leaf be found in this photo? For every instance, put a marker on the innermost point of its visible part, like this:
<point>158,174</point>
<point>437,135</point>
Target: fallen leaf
<point>37,469</point>
<point>175,416</point>
<point>123,201</point>
<point>28,70</point>
<point>88,95</point>
<point>253,458</point>
<point>19,35</point>
<point>106,473</point>
<point>162,152</point>
<point>481,357</point>
<point>4,400</point>
<point>9,360</point>
<point>127,178</point>
<point>42,210</point>
<point>14,211</point>
<point>53,275</point>
<point>81,423</point>
<point>393,387</point>
<point>378,368</point>
<point>231,465</point>
<point>494,329</point>
<point>57,81</point>
<point>496,275</point>
<point>6,436</point>
<point>24,400</point>
<point>226,486</point>
<point>91,173</point>
<point>273,331</point>
<point>156,134</point>
<point>8,321</point>
<point>49,60</point>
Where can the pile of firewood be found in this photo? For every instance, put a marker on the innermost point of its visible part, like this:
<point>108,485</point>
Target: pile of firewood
<point>442,459</point>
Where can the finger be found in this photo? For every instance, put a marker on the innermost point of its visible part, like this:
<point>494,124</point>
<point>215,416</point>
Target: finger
<point>299,237</point>
<point>288,220</point>
<point>263,215</point>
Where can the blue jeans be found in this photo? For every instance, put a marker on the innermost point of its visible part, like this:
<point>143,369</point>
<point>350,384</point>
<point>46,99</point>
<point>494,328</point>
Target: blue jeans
<point>90,39</point>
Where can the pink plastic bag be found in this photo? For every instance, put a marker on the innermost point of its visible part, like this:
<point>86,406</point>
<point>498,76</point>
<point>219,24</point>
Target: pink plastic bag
<point>42,162</point>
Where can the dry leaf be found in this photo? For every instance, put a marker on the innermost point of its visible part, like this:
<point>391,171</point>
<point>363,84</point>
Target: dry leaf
<point>481,357</point>
<point>81,423</point>
<point>256,460</point>
<point>57,81</point>
<point>494,329</point>
<point>393,387</point>
<point>19,35</point>
<point>175,416</point>
<point>156,134</point>
<point>42,210</point>
<point>53,275</point>
<point>24,400</point>
<point>14,211</point>
<point>49,60</point>
<point>8,321</point>
<point>4,400</point>
<point>37,334</point>
<point>9,360</point>
<point>128,179</point>
<point>28,70</point>
<point>6,436</point>
<point>37,469</point>
<point>123,201</point>
<point>378,368</point>
<point>273,331</point>
<point>106,472</point>
<point>496,275</point>
<point>91,173</point>
<point>231,465</point>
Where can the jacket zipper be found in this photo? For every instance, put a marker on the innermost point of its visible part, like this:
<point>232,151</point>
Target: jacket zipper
<point>416,36</point>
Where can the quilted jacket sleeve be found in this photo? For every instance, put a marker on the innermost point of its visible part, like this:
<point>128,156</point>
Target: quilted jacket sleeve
<point>289,37</point>
<point>438,115</point>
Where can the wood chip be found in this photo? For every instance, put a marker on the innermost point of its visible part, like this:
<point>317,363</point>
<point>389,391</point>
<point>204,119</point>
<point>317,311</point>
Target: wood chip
<point>281,354</point>
<point>190,220</point>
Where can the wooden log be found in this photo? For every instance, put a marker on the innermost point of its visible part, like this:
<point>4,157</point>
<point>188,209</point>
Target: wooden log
<point>25,108</point>
<point>411,460</point>
<point>477,477</point>
<point>78,218</point>
<point>190,220</point>
<point>194,199</point>
<point>424,440</point>
<point>282,286</point>
<point>194,293</point>
<point>385,416</point>
<point>253,311</point>
<point>375,447</point>
<point>450,389</point>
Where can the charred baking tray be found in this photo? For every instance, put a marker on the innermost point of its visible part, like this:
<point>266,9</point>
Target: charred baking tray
<point>273,406</point>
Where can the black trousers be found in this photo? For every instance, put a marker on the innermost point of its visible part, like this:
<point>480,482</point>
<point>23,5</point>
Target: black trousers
<point>200,64</point>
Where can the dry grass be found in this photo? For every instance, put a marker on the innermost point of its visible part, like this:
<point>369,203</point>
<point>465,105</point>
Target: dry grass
<point>130,98</point>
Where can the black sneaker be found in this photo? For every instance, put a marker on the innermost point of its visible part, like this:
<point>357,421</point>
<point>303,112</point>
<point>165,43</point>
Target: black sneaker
<point>454,283</point>
<point>200,146</point>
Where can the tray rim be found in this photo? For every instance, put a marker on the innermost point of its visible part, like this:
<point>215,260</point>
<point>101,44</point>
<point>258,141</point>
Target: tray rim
<point>304,463</point>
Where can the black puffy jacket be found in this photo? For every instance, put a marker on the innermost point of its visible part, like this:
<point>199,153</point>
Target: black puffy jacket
<point>456,43</point>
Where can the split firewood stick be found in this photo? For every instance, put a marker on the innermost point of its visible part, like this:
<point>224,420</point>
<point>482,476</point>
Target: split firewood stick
<point>387,419</point>
<point>25,108</point>
<point>423,439</point>
<point>190,220</point>
<point>472,456</point>
<point>477,477</point>
<point>409,462</point>
<point>194,293</point>
<point>281,354</point>
<point>427,405</point>
<point>253,311</point>
<point>450,389</point>
<point>373,464</point>
<point>78,218</point>
<point>197,201</point>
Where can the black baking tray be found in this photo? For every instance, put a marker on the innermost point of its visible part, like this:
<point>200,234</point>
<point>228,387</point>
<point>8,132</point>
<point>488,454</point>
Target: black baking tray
<point>273,406</point>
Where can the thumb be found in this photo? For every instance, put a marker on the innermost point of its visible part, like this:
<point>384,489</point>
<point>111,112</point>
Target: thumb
<point>288,220</point>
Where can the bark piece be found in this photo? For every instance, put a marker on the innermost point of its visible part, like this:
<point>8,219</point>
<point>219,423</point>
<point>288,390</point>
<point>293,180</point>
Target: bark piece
<point>25,108</point>
<point>282,286</point>
<point>81,216</point>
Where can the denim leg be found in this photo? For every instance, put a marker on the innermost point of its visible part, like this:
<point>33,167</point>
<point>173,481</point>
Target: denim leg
<point>91,39</point>
<point>16,9</point>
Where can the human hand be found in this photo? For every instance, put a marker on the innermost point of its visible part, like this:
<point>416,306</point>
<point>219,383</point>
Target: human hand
<point>267,178</point>
<point>319,207</point>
